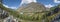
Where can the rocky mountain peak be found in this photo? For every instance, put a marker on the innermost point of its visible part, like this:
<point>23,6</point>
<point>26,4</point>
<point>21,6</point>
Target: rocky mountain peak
<point>32,7</point>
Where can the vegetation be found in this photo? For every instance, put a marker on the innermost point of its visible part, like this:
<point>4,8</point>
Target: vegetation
<point>36,16</point>
<point>11,11</point>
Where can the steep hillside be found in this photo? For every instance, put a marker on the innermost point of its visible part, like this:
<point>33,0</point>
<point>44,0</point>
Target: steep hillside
<point>32,11</point>
<point>32,7</point>
<point>54,15</point>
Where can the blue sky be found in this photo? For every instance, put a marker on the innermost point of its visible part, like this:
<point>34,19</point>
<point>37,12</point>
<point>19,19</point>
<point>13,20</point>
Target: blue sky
<point>14,4</point>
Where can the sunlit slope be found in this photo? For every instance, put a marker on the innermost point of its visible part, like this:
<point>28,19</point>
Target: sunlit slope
<point>32,11</point>
<point>32,7</point>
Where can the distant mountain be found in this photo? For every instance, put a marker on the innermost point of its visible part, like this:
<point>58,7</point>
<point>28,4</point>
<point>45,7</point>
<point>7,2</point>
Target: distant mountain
<point>32,7</point>
<point>32,11</point>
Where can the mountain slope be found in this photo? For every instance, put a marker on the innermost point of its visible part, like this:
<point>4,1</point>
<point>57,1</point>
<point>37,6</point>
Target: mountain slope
<point>32,7</point>
<point>32,11</point>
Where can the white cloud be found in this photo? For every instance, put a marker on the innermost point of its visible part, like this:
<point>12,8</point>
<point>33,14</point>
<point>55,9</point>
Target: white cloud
<point>31,1</point>
<point>9,7</point>
<point>56,1</point>
<point>5,5</point>
<point>27,1</point>
<point>49,6</point>
<point>13,7</point>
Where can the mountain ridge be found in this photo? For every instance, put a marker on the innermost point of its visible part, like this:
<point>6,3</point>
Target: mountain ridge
<point>32,6</point>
